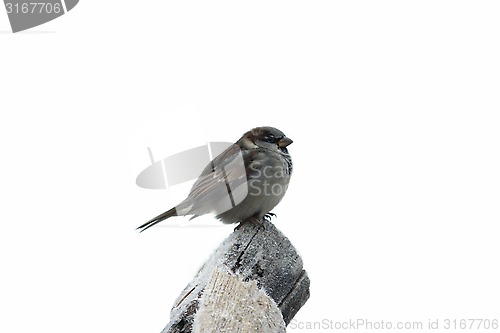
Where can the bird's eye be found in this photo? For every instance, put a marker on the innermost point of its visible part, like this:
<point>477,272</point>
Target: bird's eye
<point>270,139</point>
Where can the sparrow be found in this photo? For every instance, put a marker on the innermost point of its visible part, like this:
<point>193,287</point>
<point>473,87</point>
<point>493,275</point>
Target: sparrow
<point>242,184</point>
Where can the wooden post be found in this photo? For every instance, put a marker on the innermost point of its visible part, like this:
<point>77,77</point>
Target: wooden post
<point>254,282</point>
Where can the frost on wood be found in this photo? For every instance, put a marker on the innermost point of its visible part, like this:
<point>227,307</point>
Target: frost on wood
<point>254,270</point>
<point>234,306</point>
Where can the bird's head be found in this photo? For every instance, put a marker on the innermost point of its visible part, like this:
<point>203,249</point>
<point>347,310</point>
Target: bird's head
<point>266,137</point>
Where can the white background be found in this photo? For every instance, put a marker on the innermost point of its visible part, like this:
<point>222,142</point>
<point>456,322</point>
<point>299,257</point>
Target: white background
<point>394,112</point>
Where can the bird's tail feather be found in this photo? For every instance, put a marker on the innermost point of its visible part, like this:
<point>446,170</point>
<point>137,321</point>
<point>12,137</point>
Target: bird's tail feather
<point>158,219</point>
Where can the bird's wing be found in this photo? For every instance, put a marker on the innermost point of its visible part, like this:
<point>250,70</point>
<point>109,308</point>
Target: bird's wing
<point>226,173</point>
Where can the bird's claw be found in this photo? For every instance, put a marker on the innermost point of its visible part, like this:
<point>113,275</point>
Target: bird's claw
<point>268,217</point>
<point>252,220</point>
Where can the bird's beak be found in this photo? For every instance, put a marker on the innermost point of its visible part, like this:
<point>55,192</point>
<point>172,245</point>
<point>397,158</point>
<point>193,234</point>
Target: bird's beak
<point>283,142</point>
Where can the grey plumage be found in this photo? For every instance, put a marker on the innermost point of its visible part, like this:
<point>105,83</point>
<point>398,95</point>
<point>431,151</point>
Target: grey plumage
<point>245,182</point>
